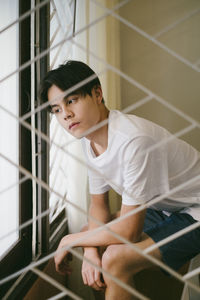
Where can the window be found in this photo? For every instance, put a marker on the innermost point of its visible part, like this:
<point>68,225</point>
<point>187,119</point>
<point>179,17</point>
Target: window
<point>15,145</point>
<point>9,90</point>
<point>22,198</point>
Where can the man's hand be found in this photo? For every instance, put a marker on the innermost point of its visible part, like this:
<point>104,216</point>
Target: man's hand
<point>91,276</point>
<point>62,258</point>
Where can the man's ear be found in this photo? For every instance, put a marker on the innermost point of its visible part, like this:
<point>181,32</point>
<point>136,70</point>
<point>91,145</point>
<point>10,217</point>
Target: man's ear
<point>98,93</point>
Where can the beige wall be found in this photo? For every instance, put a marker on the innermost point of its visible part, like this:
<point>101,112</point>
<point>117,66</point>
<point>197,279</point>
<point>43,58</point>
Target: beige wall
<point>157,70</point>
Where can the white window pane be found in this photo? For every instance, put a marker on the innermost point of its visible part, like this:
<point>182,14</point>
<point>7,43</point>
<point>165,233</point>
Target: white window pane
<point>9,136</point>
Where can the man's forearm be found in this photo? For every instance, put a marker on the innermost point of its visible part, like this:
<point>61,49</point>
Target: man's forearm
<point>98,214</point>
<point>91,238</point>
<point>129,228</point>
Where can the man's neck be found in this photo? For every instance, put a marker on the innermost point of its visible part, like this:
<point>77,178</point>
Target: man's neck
<point>99,138</point>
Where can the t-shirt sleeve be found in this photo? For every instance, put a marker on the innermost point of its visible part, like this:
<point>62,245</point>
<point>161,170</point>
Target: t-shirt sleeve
<point>145,173</point>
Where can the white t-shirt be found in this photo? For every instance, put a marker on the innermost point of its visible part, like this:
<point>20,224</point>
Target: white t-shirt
<point>138,175</point>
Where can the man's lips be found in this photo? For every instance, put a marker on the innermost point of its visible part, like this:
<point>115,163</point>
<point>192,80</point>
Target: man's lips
<point>73,125</point>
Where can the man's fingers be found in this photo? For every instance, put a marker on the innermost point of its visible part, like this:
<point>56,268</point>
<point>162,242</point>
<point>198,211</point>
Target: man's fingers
<point>62,259</point>
<point>84,277</point>
<point>94,280</point>
<point>92,277</point>
<point>99,280</point>
<point>89,279</point>
<point>63,268</point>
<point>96,287</point>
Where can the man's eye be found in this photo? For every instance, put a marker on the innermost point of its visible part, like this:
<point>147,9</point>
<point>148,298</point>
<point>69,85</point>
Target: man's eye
<point>55,110</point>
<point>70,101</point>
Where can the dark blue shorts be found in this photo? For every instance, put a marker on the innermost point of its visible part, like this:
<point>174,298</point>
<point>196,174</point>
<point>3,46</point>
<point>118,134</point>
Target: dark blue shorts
<point>177,252</point>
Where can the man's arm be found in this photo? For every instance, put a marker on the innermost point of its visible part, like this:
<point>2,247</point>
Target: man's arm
<point>100,211</point>
<point>130,228</point>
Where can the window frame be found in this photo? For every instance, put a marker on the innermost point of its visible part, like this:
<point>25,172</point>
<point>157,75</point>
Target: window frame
<point>21,253</point>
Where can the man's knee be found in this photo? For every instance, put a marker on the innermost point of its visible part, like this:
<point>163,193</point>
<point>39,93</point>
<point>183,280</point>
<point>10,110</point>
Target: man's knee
<point>121,259</point>
<point>115,263</point>
<point>109,257</point>
<point>113,259</point>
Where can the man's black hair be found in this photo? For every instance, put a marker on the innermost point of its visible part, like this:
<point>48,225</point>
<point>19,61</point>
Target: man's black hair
<point>68,75</point>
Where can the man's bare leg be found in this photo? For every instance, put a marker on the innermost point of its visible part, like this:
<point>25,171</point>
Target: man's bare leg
<point>123,262</point>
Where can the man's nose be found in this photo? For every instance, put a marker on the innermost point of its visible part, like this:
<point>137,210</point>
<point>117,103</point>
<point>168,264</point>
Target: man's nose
<point>67,113</point>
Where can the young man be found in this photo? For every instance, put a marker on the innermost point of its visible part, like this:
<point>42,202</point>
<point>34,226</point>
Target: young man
<point>118,157</point>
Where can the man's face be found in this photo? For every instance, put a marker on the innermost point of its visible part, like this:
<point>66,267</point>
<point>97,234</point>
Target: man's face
<point>76,113</point>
